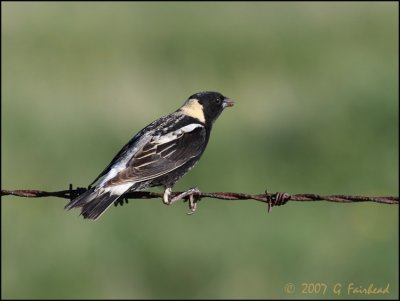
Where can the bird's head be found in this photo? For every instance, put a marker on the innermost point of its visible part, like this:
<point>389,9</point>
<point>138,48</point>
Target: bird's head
<point>206,106</point>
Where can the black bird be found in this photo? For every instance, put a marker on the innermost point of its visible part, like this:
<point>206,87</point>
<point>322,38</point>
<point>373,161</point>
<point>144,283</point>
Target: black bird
<point>159,154</point>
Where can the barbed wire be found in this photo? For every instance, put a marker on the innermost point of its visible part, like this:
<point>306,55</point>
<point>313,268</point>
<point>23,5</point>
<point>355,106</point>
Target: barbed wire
<point>272,199</point>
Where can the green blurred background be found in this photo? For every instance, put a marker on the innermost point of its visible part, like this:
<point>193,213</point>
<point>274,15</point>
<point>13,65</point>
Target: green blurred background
<point>316,90</point>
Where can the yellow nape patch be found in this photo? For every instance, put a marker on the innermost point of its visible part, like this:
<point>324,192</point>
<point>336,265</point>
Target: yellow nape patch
<point>194,109</point>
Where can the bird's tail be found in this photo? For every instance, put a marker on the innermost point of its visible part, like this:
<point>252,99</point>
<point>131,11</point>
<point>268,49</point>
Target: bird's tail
<point>96,200</point>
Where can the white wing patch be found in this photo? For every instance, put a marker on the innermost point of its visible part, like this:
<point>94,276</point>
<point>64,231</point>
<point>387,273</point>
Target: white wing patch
<point>176,134</point>
<point>190,127</point>
<point>118,189</point>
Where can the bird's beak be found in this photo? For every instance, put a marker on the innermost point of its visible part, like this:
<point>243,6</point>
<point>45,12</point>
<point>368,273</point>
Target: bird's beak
<point>228,103</point>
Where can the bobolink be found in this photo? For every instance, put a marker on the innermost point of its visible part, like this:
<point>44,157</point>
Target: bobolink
<point>159,154</point>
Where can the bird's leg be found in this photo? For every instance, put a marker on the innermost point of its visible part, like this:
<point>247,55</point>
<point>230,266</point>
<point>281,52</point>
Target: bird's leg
<point>167,193</point>
<point>192,204</point>
<point>190,192</point>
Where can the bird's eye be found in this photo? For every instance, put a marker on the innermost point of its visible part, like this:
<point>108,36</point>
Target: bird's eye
<point>218,101</point>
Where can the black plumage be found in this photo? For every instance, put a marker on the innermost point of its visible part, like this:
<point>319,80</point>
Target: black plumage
<point>159,154</point>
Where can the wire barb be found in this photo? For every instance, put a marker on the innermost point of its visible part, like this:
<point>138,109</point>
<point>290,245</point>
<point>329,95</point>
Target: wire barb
<point>276,199</point>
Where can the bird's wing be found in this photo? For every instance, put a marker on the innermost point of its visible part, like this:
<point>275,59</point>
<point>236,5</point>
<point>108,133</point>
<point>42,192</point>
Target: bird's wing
<point>162,154</point>
<point>121,156</point>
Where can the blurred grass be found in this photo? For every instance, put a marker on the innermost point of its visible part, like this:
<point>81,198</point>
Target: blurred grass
<point>316,90</point>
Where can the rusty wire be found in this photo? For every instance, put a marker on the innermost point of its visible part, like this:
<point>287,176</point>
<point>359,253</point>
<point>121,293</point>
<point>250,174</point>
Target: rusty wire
<point>272,199</point>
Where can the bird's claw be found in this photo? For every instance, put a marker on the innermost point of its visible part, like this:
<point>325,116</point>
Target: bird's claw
<point>193,201</point>
<point>191,194</point>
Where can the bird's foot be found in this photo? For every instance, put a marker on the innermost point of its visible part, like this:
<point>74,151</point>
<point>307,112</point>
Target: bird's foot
<point>192,194</point>
<point>276,199</point>
<point>193,199</point>
<point>167,193</point>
